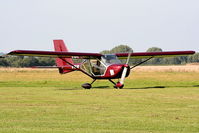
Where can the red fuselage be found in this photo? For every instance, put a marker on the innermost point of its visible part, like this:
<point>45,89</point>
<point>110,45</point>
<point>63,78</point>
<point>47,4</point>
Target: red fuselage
<point>114,71</point>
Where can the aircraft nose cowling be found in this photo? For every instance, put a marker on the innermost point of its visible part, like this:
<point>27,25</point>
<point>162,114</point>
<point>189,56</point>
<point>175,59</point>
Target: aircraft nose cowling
<point>126,65</point>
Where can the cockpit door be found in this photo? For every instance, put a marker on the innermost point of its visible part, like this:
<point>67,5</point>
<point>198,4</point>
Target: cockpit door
<point>98,68</point>
<point>94,66</point>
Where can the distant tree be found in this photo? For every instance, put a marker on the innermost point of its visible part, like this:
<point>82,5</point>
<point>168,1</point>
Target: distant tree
<point>46,61</point>
<point>118,49</point>
<point>21,61</point>
<point>38,61</point>
<point>105,52</point>
<point>193,58</point>
<point>155,60</point>
<point>3,62</point>
<point>183,59</point>
<point>29,61</point>
<point>171,61</point>
<point>154,49</point>
<point>121,49</point>
<point>14,61</point>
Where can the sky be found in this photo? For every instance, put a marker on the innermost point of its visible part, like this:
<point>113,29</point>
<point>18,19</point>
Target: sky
<point>96,25</point>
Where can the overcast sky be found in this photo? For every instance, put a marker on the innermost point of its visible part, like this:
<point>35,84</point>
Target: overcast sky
<point>96,25</point>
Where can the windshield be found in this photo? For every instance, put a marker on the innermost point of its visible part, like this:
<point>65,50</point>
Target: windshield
<point>109,59</point>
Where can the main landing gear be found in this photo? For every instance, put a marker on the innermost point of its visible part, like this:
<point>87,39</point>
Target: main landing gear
<point>88,85</point>
<point>117,85</point>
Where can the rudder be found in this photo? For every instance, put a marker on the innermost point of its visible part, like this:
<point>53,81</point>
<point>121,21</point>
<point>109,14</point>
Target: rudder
<point>60,46</point>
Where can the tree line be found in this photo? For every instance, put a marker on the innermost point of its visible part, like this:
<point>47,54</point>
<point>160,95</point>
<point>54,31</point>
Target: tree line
<point>24,61</point>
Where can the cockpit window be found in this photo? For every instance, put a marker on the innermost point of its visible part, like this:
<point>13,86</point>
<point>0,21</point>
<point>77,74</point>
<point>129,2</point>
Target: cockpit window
<point>110,59</point>
<point>94,67</point>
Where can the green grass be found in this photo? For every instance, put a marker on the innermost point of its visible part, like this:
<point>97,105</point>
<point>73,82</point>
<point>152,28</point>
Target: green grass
<point>46,102</point>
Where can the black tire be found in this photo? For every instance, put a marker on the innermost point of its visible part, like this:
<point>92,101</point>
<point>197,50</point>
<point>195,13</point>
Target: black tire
<point>86,86</point>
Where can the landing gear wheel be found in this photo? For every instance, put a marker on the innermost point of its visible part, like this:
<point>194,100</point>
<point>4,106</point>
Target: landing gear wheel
<point>119,85</point>
<point>86,86</point>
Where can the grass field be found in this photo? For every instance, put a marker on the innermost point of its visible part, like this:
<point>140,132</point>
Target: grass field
<point>154,100</point>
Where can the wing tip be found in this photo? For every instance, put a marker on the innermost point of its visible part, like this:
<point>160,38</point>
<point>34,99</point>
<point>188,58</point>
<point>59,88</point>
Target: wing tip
<point>14,52</point>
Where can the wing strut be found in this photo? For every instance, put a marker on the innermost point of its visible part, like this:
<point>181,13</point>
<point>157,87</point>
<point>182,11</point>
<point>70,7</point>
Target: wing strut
<point>141,62</point>
<point>78,68</point>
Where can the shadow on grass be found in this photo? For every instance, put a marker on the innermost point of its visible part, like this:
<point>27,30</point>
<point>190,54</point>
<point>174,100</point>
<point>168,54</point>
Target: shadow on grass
<point>96,87</point>
<point>195,85</point>
<point>101,87</point>
<point>151,87</point>
<point>67,89</point>
<point>159,87</point>
<point>108,87</point>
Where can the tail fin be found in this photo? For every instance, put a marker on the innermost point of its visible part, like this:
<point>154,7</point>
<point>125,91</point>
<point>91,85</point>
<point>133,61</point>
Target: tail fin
<point>60,47</point>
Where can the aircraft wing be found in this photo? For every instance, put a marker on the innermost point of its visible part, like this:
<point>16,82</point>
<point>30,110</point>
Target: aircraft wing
<point>79,55</point>
<point>154,54</point>
<point>55,54</point>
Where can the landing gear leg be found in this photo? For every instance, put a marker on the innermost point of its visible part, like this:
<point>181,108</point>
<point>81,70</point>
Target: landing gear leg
<point>117,85</point>
<point>88,85</point>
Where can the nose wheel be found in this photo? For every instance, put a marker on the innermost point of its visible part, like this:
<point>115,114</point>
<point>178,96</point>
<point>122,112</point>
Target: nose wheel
<point>118,85</point>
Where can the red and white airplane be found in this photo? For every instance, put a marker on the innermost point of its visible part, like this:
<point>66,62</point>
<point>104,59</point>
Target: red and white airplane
<point>96,65</point>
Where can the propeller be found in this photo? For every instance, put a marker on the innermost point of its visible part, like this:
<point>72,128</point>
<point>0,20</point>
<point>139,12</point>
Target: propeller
<point>120,84</point>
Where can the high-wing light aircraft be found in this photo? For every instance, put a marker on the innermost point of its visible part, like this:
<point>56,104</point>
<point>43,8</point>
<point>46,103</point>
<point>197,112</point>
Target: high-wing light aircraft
<point>96,65</point>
